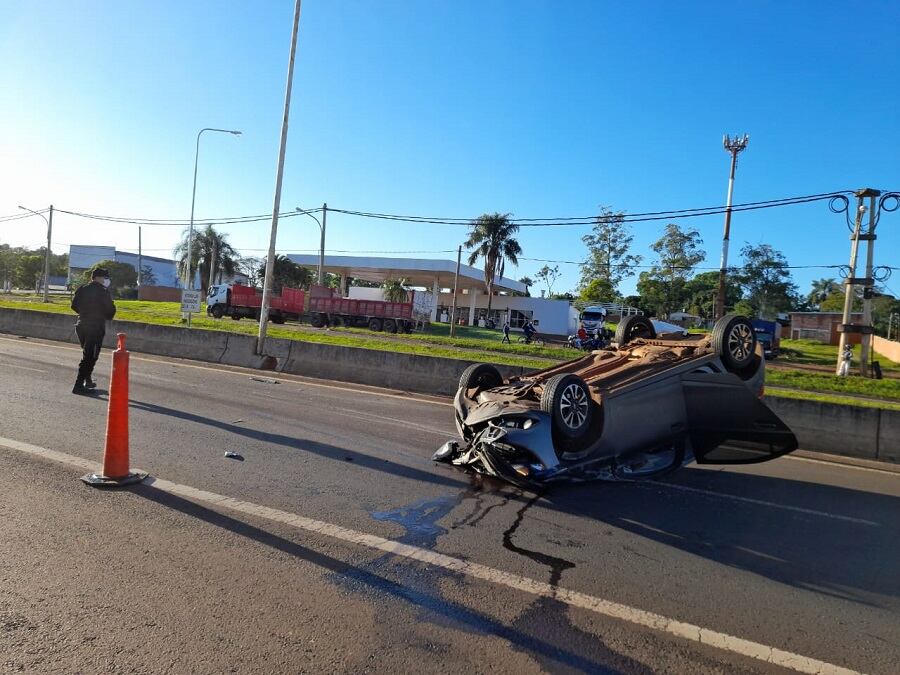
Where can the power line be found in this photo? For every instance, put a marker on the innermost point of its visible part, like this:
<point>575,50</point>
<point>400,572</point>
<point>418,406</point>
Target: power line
<point>432,220</point>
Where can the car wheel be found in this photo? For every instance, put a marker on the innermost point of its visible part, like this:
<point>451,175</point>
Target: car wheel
<point>734,340</point>
<point>632,327</point>
<point>316,321</point>
<point>236,317</point>
<point>375,324</point>
<point>390,326</point>
<point>217,311</point>
<point>567,399</point>
<point>480,376</point>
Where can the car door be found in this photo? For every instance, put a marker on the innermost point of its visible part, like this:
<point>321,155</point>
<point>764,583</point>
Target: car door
<point>728,424</point>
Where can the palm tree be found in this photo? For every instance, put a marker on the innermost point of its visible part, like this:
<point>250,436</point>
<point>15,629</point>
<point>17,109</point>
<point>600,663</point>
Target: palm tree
<point>491,237</point>
<point>821,289</point>
<point>395,290</point>
<point>208,248</point>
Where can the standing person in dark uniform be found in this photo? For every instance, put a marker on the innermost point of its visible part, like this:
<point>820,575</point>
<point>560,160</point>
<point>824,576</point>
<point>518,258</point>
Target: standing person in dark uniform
<point>94,306</point>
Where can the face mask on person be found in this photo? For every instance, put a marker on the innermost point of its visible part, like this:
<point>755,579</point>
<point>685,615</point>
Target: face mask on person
<point>105,283</point>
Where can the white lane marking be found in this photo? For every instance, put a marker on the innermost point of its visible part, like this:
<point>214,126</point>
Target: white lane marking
<point>232,370</point>
<point>11,365</point>
<point>615,610</point>
<point>759,502</point>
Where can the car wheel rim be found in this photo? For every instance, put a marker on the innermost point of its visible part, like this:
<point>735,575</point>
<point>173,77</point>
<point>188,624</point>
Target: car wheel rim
<point>740,341</point>
<point>573,406</point>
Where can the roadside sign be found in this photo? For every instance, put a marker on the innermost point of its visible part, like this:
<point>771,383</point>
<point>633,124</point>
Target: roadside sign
<point>190,301</point>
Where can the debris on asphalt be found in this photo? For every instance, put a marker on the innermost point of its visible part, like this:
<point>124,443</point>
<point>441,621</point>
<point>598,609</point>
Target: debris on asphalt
<point>267,380</point>
<point>234,455</point>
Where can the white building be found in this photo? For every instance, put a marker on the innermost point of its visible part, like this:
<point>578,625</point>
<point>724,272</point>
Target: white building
<point>436,277</point>
<point>82,258</point>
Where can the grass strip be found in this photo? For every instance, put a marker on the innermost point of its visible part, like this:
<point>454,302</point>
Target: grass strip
<point>829,398</point>
<point>826,383</point>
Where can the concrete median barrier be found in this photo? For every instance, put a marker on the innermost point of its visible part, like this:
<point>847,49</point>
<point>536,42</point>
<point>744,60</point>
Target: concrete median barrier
<point>408,372</point>
<point>828,427</point>
<point>202,345</point>
<point>889,436</point>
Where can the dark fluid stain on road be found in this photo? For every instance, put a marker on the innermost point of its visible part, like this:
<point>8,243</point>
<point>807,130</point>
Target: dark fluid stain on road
<point>420,519</point>
<point>547,619</point>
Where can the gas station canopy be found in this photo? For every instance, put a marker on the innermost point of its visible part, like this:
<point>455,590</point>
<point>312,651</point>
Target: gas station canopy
<point>420,273</point>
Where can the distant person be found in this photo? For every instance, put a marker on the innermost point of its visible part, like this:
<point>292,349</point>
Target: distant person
<point>846,359</point>
<point>529,331</point>
<point>505,332</point>
<point>94,306</point>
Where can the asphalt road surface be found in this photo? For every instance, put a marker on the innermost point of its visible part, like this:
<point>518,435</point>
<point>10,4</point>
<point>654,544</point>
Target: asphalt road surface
<point>370,558</point>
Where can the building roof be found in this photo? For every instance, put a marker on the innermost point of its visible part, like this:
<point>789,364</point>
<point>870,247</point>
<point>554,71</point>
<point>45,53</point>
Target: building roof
<point>419,271</point>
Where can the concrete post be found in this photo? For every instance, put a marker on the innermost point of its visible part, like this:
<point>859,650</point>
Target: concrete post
<point>343,284</point>
<point>436,293</point>
<point>473,294</point>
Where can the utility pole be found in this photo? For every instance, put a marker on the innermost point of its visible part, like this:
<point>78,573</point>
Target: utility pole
<point>455,291</point>
<point>893,317</point>
<point>279,174</point>
<point>850,283</point>
<point>321,280</point>
<point>734,146</point>
<point>868,286</point>
<point>212,267</point>
<point>49,222</point>
<point>140,261</point>
<point>47,257</point>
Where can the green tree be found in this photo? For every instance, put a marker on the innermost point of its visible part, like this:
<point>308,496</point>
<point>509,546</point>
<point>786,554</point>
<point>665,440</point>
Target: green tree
<point>766,281</point>
<point>598,290</point>
<point>122,276</point>
<point>491,237</point>
<point>395,290</point>
<point>703,288</point>
<point>285,272</point>
<point>608,250</point>
<point>148,276</point>
<point>529,282</point>
<point>250,268</point>
<point>821,289</point>
<point>548,275</point>
<point>663,287</point>
<point>29,268</point>
<point>206,241</point>
<point>834,302</point>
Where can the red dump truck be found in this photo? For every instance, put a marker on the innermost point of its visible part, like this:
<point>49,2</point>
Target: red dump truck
<point>326,306</point>
<point>240,302</point>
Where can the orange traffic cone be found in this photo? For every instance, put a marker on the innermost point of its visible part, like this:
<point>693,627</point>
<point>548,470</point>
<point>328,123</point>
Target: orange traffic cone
<point>115,455</point>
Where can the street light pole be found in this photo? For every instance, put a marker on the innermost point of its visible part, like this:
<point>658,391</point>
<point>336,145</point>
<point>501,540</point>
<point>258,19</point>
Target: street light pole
<point>734,146</point>
<point>189,281</point>
<point>279,174</point>
<point>320,273</point>
<point>47,253</point>
<point>455,291</point>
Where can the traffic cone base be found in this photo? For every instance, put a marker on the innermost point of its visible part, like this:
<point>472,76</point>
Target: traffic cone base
<point>96,480</point>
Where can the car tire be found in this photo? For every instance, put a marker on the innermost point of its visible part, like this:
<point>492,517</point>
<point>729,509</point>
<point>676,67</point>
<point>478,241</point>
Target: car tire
<point>632,327</point>
<point>316,321</point>
<point>567,399</point>
<point>235,317</point>
<point>217,311</point>
<point>480,376</point>
<point>375,324</point>
<point>734,340</point>
<point>390,326</point>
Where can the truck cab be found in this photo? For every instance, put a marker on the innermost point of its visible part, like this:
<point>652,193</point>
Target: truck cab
<point>593,318</point>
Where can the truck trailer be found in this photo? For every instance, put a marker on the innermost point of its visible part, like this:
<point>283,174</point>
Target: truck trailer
<point>239,302</point>
<point>327,307</point>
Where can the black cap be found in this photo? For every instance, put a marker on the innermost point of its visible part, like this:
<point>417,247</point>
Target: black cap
<point>100,272</point>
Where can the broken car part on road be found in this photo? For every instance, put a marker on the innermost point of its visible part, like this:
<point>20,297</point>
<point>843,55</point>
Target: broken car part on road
<point>638,409</point>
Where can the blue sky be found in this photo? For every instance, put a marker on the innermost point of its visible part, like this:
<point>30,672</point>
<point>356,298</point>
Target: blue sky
<point>541,109</point>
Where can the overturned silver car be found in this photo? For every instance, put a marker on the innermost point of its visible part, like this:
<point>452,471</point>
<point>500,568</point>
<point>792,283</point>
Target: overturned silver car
<point>640,408</point>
